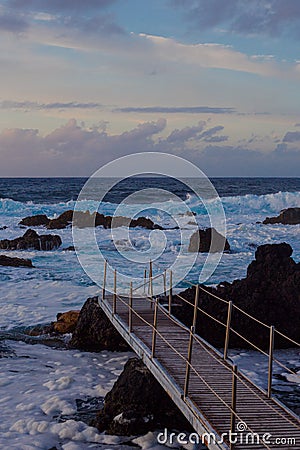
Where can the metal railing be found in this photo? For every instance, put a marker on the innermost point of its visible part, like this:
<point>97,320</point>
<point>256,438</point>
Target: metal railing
<point>168,292</point>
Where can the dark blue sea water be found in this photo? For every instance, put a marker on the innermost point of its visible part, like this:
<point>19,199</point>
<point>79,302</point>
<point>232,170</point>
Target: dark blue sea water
<point>55,190</point>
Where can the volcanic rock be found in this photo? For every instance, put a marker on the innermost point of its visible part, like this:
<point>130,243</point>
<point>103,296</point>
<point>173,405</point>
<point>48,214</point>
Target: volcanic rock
<point>289,216</point>
<point>31,240</point>
<point>94,332</point>
<point>270,293</point>
<point>66,322</point>
<point>208,240</point>
<point>62,221</point>
<point>15,262</point>
<point>137,404</point>
<point>35,221</point>
<point>86,219</point>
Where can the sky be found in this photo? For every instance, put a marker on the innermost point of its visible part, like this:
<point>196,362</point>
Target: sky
<point>216,82</point>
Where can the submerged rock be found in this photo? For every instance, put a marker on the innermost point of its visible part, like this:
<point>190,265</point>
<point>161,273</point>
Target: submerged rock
<point>289,216</point>
<point>94,332</point>
<point>31,240</point>
<point>15,262</point>
<point>270,293</point>
<point>208,240</point>
<point>71,248</point>
<point>6,351</point>
<point>137,404</point>
<point>86,219</point>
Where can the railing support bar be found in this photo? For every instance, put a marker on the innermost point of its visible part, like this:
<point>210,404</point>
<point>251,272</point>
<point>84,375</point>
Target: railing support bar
<point>233,402</point>
<point>188,363</point>
<point>170,291</point>
<point>271,351</point>
<point>165,283</point>
<point>154,328</point>
<point>115,293</point>
<point>150,287</point>
<point>196,305</point>
<point>145,280</point>
<point>130,309</point>
<point>104,280</point>
<point>227,335</point>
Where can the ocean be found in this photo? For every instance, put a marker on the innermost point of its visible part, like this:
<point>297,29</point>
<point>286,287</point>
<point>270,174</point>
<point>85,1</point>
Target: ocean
<point>39,384</point>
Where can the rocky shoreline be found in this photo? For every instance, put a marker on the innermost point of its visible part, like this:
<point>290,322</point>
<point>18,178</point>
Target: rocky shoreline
<point>137,403</point>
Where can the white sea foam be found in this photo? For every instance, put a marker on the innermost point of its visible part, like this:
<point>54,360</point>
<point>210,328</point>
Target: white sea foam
<point>47,383</point>
<point>42,384</point>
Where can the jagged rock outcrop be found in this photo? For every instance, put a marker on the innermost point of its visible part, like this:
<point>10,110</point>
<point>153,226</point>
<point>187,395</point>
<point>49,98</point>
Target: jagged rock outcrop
<point>137,404</point>
<point>32,240</point>
<point>289,216</point>
<point>35,221</point>
<point>86,219</point>
<point>94,332</point>
<point>270,293</point>
<point>66,322</point>
<point>62,221</point>
<point>15,262</point>
<point>208,240</point>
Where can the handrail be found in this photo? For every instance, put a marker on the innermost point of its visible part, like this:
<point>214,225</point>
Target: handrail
<point>197,339</point>
<point>288,338</point>
<point>238,308</point>
<point>206,349</point>
<point>228,406</point>
<point>196,307</point>
<point>201,310</point>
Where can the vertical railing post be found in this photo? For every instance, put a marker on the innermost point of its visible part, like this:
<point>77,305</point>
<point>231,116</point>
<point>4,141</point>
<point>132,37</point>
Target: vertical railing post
<point>150,275</point>
<point>233,402</point>
<point>130,309</point>
<point>170,291</point>
<point>188,363</point>
<point>271,351</point>
<point>104,280</point>
<point>115,292</point>
<point>196,305</point>
<point>165,282</point>
<point>145,280</point>
<point>227,335</point>
<point>154,328</point>
<point>150,292</point>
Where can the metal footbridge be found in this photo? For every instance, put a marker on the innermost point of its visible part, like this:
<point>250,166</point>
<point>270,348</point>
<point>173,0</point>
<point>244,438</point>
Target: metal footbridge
<point>225,407</point>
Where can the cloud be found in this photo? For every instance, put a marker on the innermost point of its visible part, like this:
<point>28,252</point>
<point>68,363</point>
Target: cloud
<point>75,150</point>
<point>292,136</point>
<point>185,134</point>
<point>70,150</point>
<point>99,34</point>
<point>59,5</point>
<point>217,56</point>
<point>12,23</point>
<point>267,17</point>
<point>216,139</point>
<point>28,105</point>
<point>177,110</point>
